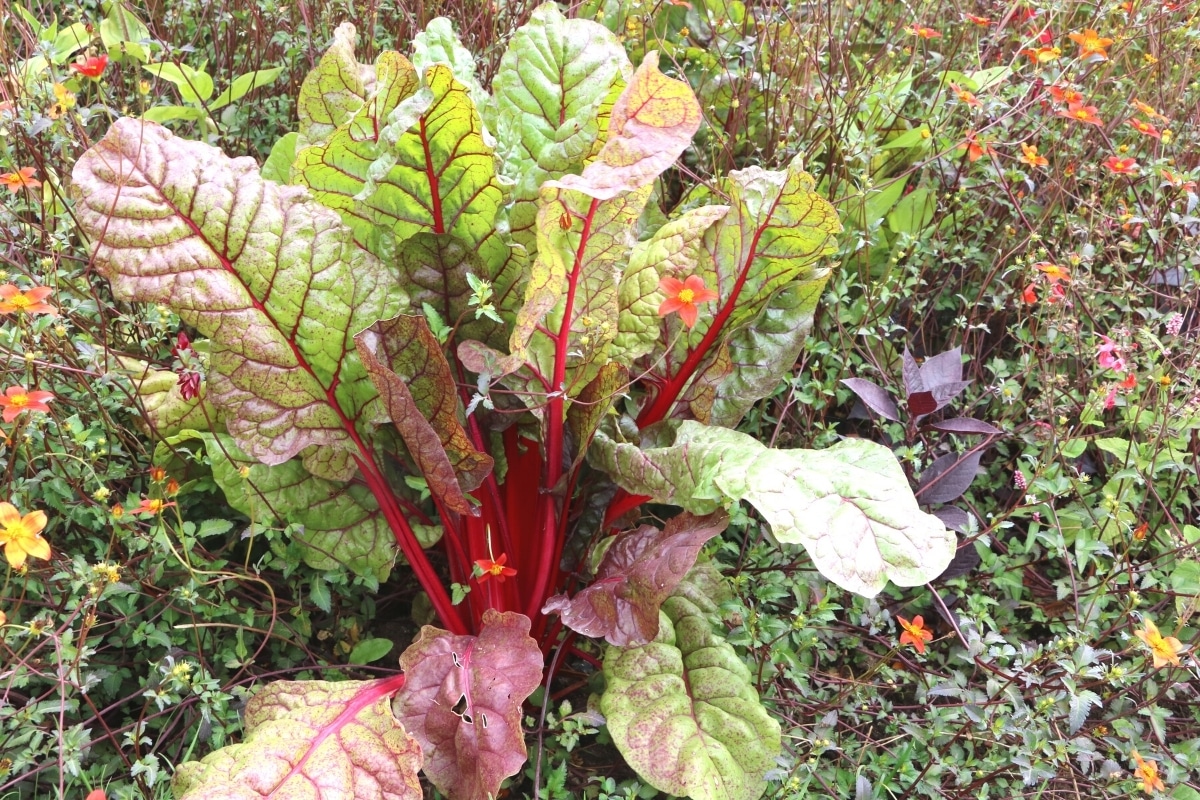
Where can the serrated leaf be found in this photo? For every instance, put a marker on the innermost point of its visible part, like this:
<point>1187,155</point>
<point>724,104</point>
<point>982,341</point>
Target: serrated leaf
<point>945,480</point>
<point>1078,708</point>
<point>683,711</point>
<point>651,124</point>
<point>874,397</point>
<point>462,702</point>
<point>639,571</point>
<point>307,739</point>
<point>406,363</point>
<point>267,273</point>
<point>849,506</point>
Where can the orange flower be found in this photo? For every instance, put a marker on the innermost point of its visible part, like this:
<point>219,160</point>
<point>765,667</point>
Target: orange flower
<point>1147,110</point>
<point>157,474</point>
<point>1078,112</point>
<point>151,506</point>
<point>118,511</point>
<point>22,536</point>
<point>915,632</point>
<point>21,179</point>
<point>1121,166</point>
<point>1177,181</point>
<point>1030,294</point>
<point>1163,649</point>
<point>1139,533</point>
<point>15,301</point>
<point>684,296</point>
<point>976,147</point>
<point>1147,773</point>
<point>1029,155</point>
<point>17,399</point>
<point>1043,55</point>
<point>964,96</point>
<point>1053,272</point>
<point>1090,43</point>
<point>1065,94</point>
<point>495,569</point>
<point>922,32</point>
<point>977,19</point>
<point>96,794</point>
<point>1144,127</point>
<point>91,67</point>
<point>172,487</point>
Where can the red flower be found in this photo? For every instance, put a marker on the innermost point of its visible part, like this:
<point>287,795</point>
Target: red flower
<point>915,632</point>
<point>96,794</point>
<point>964,96</point>
<point>976,147</point>
<point>15,301</point>
<point>495,569</point>
<point>978,20</point>
<point>1145,128</point>
<point>1121,166</point>
<point>683,296</point>
<point>17,399</point>
<point>922,32</point>
<point>1078,112</point>
<point>21,179</point>
<point>189,384</point>
<point>1065,94</point>
<point>91,67</point>
<point>151,506</point>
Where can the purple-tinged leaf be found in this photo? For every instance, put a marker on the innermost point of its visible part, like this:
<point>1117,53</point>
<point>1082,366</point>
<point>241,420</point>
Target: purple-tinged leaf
<point>942,369</point>
<point>415,384</point>
<point>651,124</point>
<point>684,713</point>
<point>463,700</point>
<point>875,397</point>
<point>966,425</point>
<point>639,571</point>
<point>948,477</point>
<point>312,739</point>
<point>912,373</point>
<point>943,393</point>
<point>953,517</point>
<point>272,277</point>
<point>921,403</point>
<point>965,560</point>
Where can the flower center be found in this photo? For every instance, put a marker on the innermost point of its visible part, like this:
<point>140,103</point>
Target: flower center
<point>21,301</point>
<point>686,295</point>
<point>496,569</point>
<point>19,400</point>
<point>17,530</point>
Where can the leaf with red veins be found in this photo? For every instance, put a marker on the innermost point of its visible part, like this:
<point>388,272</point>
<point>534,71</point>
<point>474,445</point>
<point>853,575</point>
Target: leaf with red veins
<point>651,124</point>
<point>333,92</point>
<point>406,362</point>
<point>266,272</point>
<point>310,739</point>
<point>594,403</point>
<point>463,700</point>
<point>639,571</point>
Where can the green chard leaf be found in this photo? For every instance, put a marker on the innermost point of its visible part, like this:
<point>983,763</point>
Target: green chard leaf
<point>405,360</point>
<point>272,277</point>
<point>683,711</point>
<point>306,739</point>
<point>333,92</point>
<point>850,506</point>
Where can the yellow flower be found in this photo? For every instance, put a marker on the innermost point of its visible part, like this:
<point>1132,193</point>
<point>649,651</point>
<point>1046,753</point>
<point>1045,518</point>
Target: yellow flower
<point>1164,649</point>
<point>22,536</point>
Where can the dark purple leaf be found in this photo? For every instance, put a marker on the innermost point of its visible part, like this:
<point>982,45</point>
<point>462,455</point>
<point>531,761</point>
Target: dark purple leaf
<point>966,425</point>
<point>462,702</point>
<point>953,517</point>
<point>965,560</point>
<point>943,393</point>
<point>875,397</point>
<point>942,369</point>
<point>406,364</point>
<point>912,373</point>
<point>921,403</point>
<point>639,572</point>
<point>948,477</point>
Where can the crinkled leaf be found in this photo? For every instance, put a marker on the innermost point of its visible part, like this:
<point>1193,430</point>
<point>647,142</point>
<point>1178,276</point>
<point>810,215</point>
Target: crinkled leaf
<point>849,506</point>
<point>333,92</point>
<point>966,425</point>
<point>310,739</point>
<point>439,44</point>
<point>673,250</point>
<point>268,274</point>
<point>434,268</point>
<point>406,362</point>
<point>167,412</point>
<point>462,702</point>
<point>651,124</point>
<point>592,405</point>
<point>551,89</point>
<point>948,477</point>
<point>338,525</point>
<point>278,166</point>
<point>684,713</point>
<point>875,397</point>
<point>639,571</point>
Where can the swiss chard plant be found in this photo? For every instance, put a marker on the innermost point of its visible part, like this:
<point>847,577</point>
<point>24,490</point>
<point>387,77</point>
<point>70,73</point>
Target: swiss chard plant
<point>443,318</point>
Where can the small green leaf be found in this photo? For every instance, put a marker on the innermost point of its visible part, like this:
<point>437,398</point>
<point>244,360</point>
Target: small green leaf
<point>318,593</point>
<point>368,651</point>
<point>195,86</point>
<point>69,40</point>
<point>244,84</point>
<point>278,166</point>
<point>172,113</point>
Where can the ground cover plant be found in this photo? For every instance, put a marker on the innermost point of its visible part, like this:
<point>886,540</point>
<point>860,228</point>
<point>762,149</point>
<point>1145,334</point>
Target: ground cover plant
<point>434,316</point>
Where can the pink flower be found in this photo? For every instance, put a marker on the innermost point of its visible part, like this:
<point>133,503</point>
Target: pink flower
<point>1109,357</point>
